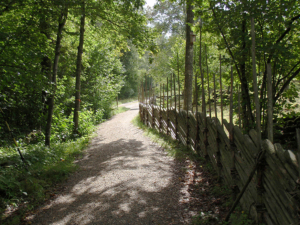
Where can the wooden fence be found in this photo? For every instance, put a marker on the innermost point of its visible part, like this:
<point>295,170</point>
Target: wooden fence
<point>274,189</point>
<point>264,178</point>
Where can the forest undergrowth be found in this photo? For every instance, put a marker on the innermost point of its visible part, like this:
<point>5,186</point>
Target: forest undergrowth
<point>26,184</point>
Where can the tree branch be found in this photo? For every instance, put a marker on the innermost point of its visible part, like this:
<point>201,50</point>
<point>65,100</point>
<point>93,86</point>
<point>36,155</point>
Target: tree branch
<point>284,77</point>
<point>288,29</point>
<point>226,43</point>
<point>286,84</point>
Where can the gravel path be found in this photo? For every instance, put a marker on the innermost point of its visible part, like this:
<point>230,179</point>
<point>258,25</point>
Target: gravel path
<point>124,178</point>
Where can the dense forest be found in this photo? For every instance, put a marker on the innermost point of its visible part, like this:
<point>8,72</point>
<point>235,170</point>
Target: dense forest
<point>64,62</point>
<point>62,57</point>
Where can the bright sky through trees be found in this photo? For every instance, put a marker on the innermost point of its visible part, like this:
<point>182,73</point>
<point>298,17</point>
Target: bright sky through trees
<point>150,2</point>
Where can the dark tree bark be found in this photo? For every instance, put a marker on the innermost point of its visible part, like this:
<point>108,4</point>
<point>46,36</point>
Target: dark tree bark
<point>188,84</point>
<point>46,69</point>
<point>78,69</point>
<point>61,24</point>
<point>246,102</point>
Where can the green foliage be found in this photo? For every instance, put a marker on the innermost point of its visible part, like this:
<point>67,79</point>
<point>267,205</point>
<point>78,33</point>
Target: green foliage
<point>173,14</point>
<point>275,30</point>
<point>27,44</point>
<point>61,126</point>
<point>131,62</point>
<point>46,166</point>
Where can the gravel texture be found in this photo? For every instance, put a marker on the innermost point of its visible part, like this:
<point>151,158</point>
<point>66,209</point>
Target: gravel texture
<point>124,178</point>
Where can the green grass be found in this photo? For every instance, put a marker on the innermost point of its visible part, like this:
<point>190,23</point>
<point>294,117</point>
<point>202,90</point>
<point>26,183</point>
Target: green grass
<point>118,110</point>
<point>26,188</point>
<point>172,147</point>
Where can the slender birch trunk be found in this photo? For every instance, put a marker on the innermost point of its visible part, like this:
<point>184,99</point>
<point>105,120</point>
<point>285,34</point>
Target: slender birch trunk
<point>61,24</point>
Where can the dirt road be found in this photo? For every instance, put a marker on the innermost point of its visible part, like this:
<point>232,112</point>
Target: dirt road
<point>124,178</point>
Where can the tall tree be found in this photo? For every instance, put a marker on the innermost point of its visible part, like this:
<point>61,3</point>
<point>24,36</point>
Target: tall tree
<point>168,17</point>
<point>61,23</point>
<point>188,84</point>
<point>78,68</point>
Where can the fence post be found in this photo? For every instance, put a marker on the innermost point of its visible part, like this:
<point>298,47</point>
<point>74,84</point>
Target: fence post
<point>260,207</point>
<point>203,98</point>
<point>140,101</point>
<point>160,116</point>
<point>147,103</point>
<point>176,121</point>
<point>219,164</point>
<point>233,170</point>
<point>221,92</point>
<point>298,149</point>
<point>270,103</point>
<point>255,88</point>
<point>168,106</point>
<point>205,131</point>
<point>239,106</point>
<point>163,95</point>
<point>170,109</point>
<point>196,116</point>
<point>298,159</point>
<point>178,92</point>
<point>208,89</point>
<point>171,92</point>
<point>215,99</point>
<point>146,89</point>
<point>143,93</point>
<point>144,116</point>
<point>187,126</point>
<point>231,108</point>
<point>139,89</point>
<point>153,116</point>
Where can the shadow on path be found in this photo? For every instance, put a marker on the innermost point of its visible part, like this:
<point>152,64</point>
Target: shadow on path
<point>121,182</point>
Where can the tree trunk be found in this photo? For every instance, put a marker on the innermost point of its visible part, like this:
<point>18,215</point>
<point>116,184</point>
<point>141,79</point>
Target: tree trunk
<point>78,70</point>
<point>246,102</point>
<point>188,84</point>
<point>61,24</point>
